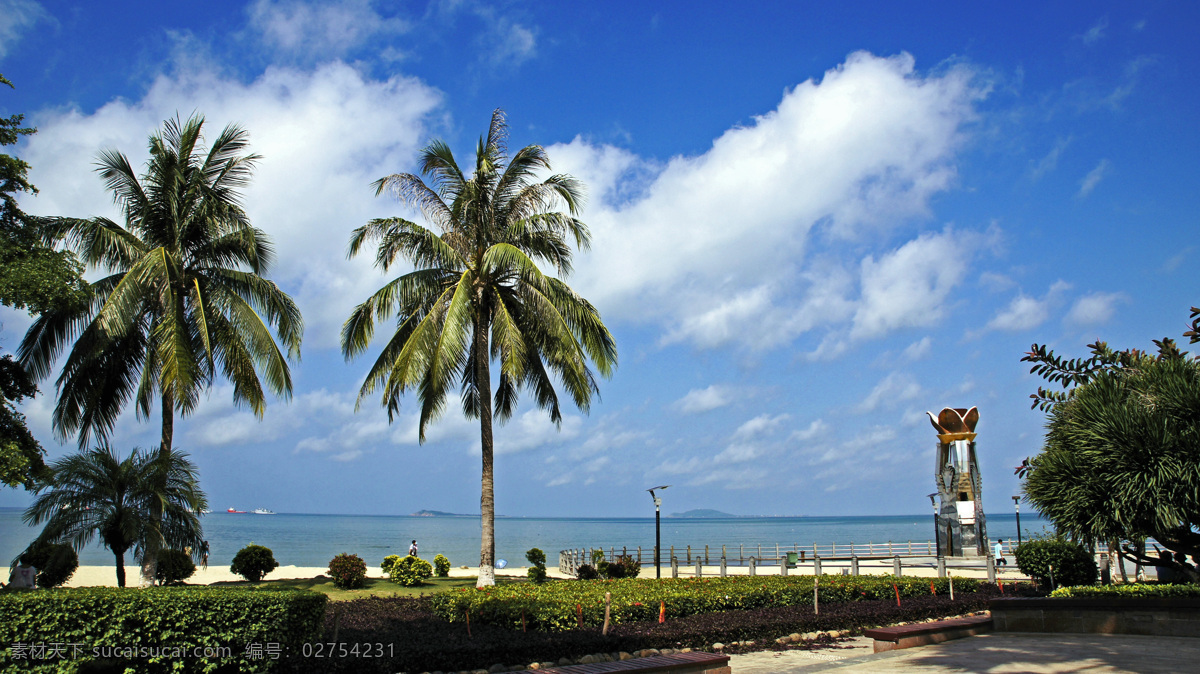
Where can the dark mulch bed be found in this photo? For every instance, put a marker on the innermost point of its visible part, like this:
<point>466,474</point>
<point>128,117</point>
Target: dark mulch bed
<point>402,634</point>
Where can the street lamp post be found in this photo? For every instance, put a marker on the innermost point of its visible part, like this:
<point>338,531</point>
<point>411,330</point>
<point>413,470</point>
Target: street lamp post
<point>657,529</point>
<point>1017,505</point>
<point>937,527</point>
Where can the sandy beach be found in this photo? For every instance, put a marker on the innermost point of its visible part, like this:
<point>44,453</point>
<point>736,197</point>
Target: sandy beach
<point>94,576</point>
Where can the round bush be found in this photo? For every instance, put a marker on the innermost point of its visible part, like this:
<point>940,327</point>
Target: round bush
<point>253,562</point>
<point>441,566</point>
<point>624,567</point>
<point>536,557</point>
<point>55,562</point>
<point>1072,563</point>
<point>347,571</point>
<point>409,571</point>
<point>174,567</point>
<point>586,572</point>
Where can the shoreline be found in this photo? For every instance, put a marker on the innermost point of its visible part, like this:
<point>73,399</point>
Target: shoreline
<point>106,576</point>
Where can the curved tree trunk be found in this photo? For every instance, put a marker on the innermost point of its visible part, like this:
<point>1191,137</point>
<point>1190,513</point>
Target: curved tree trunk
<point>487,498</point>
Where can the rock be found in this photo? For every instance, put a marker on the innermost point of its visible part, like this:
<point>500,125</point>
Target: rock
<point>563,662</point>
<point>666,651</point>
<point>718,646</point>
<point>480,671</point>
<point>624,656</point>
<point>686,650</point>
<point>588,660</point>
<point>783,640</point>
<point>832,634</point>
<point>648,652</point>
<point>794,637</point>
<point>534,666</point>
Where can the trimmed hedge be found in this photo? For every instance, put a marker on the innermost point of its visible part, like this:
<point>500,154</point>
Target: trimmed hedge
<point>557,606</point>
<point>1130,590</point>
<point>1072,563</point>
<point>157,629</point>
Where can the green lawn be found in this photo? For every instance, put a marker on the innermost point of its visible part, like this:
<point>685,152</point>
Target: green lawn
<point>373,587</point>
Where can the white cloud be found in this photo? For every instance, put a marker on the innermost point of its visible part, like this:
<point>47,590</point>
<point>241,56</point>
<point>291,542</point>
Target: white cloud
<point>315,31</point>
<point>704,399</point>
<point>813,430</point>
<point>908,287</point>
<point>892,390</point>
<point>324,134</point>
<point>1096,32</point>
<point>1050,162</point>
<point>1094,309</point>
<point>19,16</point>
<point>1026,313</point>
<point>918,350</point>
<point>1093,178</point>
<point>763,424</point>
<point>710,244</point>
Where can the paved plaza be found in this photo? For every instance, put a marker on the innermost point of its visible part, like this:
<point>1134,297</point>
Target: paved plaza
<point>1007,653</point>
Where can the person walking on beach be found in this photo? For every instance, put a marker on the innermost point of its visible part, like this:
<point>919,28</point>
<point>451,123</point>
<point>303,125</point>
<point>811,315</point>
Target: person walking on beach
<point>1000,553</point>
<point>412,549</point>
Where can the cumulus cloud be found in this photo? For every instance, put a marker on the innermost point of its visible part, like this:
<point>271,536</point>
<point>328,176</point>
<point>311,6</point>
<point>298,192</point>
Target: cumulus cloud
<point>706,245</point>
<point>892,390</point>
<point>760,425</point>
<point>918,350</point>
<point>1094,309</point>
<point>19,16</point>
<point>704,399</point>
<point>1026,313</point>
<point>314,31</point>
<point>1093,178</point>
<point>325,134</point>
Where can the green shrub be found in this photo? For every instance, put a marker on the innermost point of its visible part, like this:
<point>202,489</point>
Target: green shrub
<point>1130,590</point>
<point>586,572</point>
<point>441,566</point>
<point>55,562</point>
<point>1072,563</point>
<point>174,567</point>
<point>347,571</point>
<point>408,571</point>
<point>165,624</point>
<point>253,562</point>
<point>553,606</point>
<point>537,572</point>
<point>624,567</point>
<point>389,562</point>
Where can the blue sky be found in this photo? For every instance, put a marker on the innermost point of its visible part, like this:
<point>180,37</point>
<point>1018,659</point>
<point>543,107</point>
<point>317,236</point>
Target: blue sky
<point>811,223</point>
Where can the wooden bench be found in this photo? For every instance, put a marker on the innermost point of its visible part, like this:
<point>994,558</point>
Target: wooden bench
<point>678,663</point>
<point>923,634</point>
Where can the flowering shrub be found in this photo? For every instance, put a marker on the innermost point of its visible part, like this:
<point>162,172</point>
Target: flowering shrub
<point>441,566</point>
<point>347,571</point>
<point>556,606</point>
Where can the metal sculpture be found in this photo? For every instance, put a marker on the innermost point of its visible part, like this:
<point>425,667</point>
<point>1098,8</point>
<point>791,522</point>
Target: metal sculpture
<point>963,526</point>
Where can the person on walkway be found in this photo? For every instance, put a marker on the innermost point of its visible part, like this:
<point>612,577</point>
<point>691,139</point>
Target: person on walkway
<point>1000,553</point>
<point>24,575</point>
<point>412,549</point>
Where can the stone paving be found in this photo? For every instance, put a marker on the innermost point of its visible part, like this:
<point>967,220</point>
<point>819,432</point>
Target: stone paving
<point>992,653</point>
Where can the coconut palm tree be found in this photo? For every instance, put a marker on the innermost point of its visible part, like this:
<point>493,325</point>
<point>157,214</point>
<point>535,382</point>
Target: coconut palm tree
<point>184,301</point>
<point>476,294</point>
<point>141,502</point>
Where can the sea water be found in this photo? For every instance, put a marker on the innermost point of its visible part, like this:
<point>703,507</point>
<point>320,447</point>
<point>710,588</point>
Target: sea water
<point>312,540</point>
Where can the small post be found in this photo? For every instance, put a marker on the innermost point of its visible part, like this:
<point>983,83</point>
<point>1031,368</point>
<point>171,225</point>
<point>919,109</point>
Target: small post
<point>674,566</point>
<point>689,554</point>
<point>816,566</point>
<point>607,607</point>
<point>889,547</point>
<point>639,555</point>
<point>854,565</point>
<point>782,566</point>
<point>741,554</point>
<point>706,553</point>
<point>753,566</point>
<point>991,569</point>
<point>816,604</point>
<point>896,566</point>
<point>699,568</point>
<point>722,566</point>
<point>951,578</point>
<point>941,567</point>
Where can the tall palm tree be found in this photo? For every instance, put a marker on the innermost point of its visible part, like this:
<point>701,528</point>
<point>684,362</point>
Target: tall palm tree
<point>476,294</point>
<point>132,503</point>
<point>184,301</point>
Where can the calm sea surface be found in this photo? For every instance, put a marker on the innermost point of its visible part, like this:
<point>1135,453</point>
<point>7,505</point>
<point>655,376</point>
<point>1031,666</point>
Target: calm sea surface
<point>312,540</point>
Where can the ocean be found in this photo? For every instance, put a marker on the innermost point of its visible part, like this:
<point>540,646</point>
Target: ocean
<point>312,540</point>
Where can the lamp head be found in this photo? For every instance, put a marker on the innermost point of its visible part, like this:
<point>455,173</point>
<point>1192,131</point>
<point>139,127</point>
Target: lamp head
<point>932,499</point>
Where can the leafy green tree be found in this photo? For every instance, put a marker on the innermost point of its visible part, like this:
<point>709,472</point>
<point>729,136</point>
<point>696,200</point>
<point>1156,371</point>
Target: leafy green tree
<point>35,277</point>
<point>477,294</point>
<point>137,503</point>
<point>1121,460</point>
<point>185,302</point>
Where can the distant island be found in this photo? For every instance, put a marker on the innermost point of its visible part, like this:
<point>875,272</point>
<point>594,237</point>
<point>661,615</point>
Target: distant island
<point>703,513</point>
<point>438,513</point>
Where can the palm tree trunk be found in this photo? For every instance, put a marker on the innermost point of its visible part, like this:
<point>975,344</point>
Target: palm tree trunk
<point>487,498</point>
<point>120,567</point>
<point>150,551</point>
